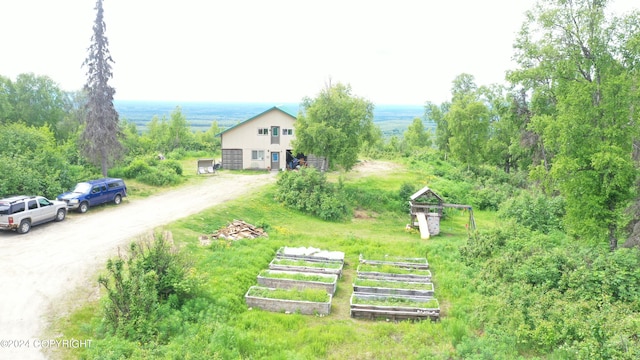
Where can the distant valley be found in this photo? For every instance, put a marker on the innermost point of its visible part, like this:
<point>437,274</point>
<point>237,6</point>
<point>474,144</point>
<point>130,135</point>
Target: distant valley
<point>392,119</point>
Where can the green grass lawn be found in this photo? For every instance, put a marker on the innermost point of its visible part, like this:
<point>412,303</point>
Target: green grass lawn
<point>217,323</point>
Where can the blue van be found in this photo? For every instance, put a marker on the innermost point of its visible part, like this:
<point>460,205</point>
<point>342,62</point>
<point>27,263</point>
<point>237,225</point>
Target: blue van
<point>94,192</point>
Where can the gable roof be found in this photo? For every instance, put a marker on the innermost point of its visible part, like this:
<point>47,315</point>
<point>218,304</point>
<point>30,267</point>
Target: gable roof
<point>425,191</point>
<point>255,117</point>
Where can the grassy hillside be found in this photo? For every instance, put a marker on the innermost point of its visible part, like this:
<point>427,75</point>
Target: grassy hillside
<point>487,287</point>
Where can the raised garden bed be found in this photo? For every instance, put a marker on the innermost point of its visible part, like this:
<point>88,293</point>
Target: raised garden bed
<point>402,262</point>
<point>307,266</point>
<point>377,286</point>
<point>307,302</point>
<point>310,253</point>
<point>394,307</point>
<point>298,280</point>
<point>388,272</point>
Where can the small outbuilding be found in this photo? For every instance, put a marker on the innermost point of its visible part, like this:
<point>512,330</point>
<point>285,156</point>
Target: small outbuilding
<point>426,206</point>
<point>426,212</point>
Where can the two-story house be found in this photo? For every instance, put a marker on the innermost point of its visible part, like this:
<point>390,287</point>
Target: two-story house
<point>261,142</point>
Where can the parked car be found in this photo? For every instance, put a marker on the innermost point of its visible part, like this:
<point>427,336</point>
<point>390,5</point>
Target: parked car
<point>19,213</point>
<point>94,192</point>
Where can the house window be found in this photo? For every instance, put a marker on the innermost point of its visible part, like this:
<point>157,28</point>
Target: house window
<point>287,131</point>
<point>263,131</point>
<point>257,154</point>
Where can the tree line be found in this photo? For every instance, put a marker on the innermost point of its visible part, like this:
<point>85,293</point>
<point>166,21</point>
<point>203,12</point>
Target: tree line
<point>568,119</point>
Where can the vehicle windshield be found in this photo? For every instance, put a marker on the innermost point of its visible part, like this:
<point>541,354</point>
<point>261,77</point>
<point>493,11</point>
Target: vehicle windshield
<point>82,188</point>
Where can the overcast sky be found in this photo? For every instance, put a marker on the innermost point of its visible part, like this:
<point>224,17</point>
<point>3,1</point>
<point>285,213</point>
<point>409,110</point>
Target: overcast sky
<point>390,52</point>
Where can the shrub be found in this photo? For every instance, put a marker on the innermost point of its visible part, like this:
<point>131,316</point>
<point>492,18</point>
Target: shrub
<point>159,177</point>
<point>139,284</point>
<point>171,165</point>
<point>137,167</point>
<point>535,211</point>
<point>307,190</point>
<point>491,196</point>
<point>177,154</point>
<point>151,171</point>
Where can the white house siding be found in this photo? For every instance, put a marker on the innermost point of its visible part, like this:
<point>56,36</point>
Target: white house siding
<point>246,136</point>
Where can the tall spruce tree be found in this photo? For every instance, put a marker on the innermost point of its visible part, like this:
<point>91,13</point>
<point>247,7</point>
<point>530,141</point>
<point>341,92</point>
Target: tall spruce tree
<point>100,137</point>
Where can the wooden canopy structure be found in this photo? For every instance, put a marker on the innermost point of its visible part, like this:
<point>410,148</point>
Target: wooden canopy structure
<point>426,210</point>
<point>207,166</point>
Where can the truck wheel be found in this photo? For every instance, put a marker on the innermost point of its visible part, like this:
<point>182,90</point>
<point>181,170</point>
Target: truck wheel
<point>84,206</point>
<point>25,226</point>
<point>118,199</point>
<point>61,214</point>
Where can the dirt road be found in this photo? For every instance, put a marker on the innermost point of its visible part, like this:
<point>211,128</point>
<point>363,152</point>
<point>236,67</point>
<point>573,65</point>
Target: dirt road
<point>37,269</point>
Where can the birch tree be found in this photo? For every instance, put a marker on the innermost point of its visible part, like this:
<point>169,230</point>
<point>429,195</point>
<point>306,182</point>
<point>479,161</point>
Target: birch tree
<point>583,87</point>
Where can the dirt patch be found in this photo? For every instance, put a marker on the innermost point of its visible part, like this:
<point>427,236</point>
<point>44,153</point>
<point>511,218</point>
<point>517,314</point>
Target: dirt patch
<point>364,214</point>
<point>373,167</point>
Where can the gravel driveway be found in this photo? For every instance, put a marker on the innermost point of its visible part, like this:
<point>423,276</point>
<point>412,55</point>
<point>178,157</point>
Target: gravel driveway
<point>37,269</point>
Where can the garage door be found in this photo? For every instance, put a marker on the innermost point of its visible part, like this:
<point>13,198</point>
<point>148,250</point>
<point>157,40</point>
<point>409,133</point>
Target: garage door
<point>232,159</point>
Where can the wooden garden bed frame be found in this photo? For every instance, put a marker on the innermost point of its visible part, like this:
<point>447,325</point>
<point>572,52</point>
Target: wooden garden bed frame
<point>320,255</point>
<point>407,263</point>
<point>284,283</point>
<point>273,265</point>
<point>287,306</point>
<point>395,277</point>
<point>393,312</point>
<point>393,290</point>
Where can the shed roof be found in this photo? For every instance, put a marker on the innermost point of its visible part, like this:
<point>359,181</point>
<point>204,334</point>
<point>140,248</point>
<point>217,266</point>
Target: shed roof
<point>255,117</point>
<point>425,191</point>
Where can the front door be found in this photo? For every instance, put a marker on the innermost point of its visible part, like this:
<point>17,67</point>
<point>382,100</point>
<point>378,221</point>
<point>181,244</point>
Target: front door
<point>275,160</point>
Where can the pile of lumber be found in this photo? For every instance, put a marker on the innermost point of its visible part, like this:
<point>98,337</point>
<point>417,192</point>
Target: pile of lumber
<point>237,230</point>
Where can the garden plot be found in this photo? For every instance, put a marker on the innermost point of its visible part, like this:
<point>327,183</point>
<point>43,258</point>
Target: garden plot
<point>309,253</point>
<point>301,280</point>
<point>394,307</point>
<point>402,262</point>
<point>390,272</point>
<point>392,287</point>
<point>307,301</point>
<point>298,280</point>
<point>307,266</point>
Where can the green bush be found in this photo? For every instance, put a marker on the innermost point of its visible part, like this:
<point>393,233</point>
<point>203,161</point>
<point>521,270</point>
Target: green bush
<point>137,167</point>
<point>141,285</point>
<point>177,154</point>
<point>171,165</point>
<point>159,177</point>
<point>309,191</point>
<point>491,196</point>
<point>535,211</point>
<point>151,171</point>
<point>31,163</point>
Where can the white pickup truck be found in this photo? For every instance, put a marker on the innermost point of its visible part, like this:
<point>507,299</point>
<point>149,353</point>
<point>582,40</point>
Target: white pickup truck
<point>19,213</point>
